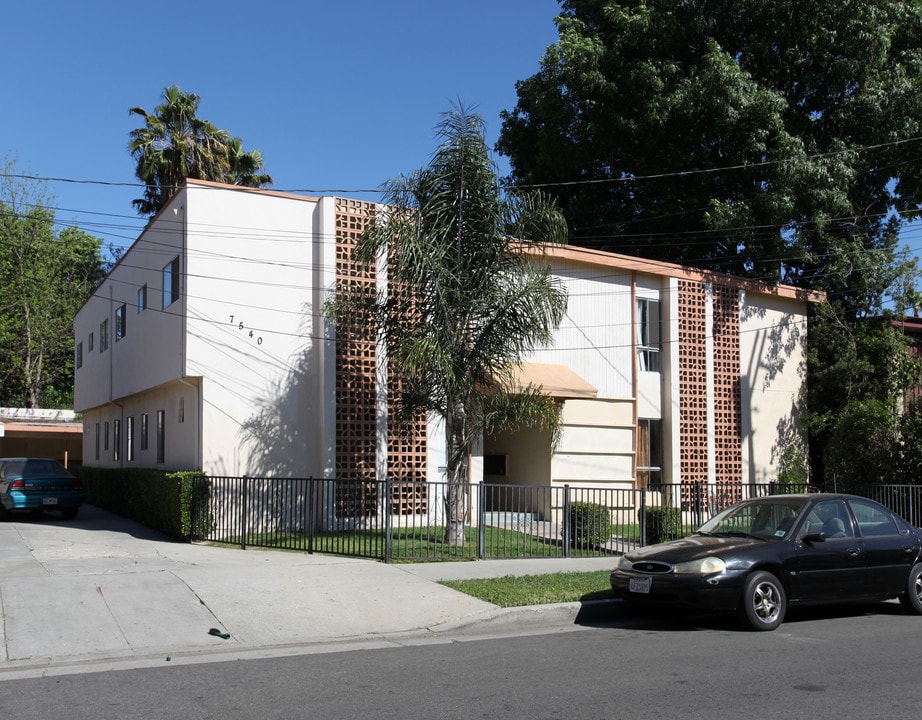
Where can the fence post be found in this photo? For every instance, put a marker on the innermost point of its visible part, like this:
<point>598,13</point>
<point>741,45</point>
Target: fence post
<point>388,522</point>
<point>698,489</point>
<point>310,515</point>
<point>642,517</point>
<point>243,520</point>
<point>481,520</point>
<point>566,521</point>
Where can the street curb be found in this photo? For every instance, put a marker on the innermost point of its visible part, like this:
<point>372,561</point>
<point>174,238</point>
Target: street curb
<point>573,613</point>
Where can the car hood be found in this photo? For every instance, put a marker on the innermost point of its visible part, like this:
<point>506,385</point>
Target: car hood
<point>694,547</point>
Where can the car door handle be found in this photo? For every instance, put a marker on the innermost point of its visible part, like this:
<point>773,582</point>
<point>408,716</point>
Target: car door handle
<point>854,552</point>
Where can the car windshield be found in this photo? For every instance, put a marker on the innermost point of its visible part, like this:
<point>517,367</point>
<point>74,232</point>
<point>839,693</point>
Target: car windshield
<point>766,518</point>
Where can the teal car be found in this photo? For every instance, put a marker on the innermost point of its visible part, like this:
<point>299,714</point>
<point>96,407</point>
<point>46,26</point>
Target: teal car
<point>38,485</point>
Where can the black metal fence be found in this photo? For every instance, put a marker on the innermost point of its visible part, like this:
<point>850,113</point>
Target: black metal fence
<point>407,521</point>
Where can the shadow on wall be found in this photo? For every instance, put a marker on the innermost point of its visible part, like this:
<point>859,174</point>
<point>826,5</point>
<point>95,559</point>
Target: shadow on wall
<point>283,436</point>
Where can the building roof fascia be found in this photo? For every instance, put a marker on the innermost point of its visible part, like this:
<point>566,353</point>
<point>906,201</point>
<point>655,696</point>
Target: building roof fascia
<point>600,258</point>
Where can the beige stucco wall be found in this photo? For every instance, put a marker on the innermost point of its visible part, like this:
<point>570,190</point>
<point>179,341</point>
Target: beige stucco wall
<point>773,334</point>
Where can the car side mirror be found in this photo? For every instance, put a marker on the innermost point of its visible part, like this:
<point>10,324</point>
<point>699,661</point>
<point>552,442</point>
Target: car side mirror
<point>811,538</point>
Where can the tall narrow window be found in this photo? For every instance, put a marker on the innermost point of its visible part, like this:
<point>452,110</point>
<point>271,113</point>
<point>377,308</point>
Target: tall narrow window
<point>648,335</point>
<point>97,442</point>
<point>120,319</point>
<point>78,355</point>
<point>116,439</point>
<point>105,440</point>
<point>649,453</point>
<point>144,431</point>
<point>161,439</point>
<point>129,438</point>
<point>171,283</point>
<point>89,343</point>
<point>142,298</point>
<point>104,336</point>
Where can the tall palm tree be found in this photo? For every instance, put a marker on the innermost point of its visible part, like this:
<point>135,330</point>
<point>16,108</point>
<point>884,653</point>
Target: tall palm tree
<point>174,145</point>
<point>465,304</point>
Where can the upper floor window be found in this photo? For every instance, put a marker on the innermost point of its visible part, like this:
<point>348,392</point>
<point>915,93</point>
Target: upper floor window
<point>648,334</point>
<point>120,319</point>
<point>78,355</point>
<point>142,298</point>
<point>89,343</point>
<point>171,283</point>
<point>104,336</point>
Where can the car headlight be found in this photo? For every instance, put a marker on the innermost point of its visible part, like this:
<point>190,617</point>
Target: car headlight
<point>704,566</point>
<point>623,564</point>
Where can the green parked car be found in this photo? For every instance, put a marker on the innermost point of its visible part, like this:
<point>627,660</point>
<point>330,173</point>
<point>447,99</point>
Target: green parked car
<point>38,485</point>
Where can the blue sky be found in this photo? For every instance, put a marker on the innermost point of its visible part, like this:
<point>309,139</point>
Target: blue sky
<point>337,96</point>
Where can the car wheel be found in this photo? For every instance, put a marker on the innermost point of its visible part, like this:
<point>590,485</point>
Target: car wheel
<point>764,603</point>
<point>911,599</point>
<point>69,513</point>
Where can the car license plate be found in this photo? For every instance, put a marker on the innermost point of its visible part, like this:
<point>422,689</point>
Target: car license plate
<point>49,501</point>
<point>640,585</point>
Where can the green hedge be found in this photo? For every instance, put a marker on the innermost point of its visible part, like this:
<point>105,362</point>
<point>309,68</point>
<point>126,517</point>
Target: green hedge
<point>175,503</point>
<point>663,523</point>
<point>590,524</point>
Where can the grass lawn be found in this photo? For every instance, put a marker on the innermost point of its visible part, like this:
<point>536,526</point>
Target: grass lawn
<point>517,590</point>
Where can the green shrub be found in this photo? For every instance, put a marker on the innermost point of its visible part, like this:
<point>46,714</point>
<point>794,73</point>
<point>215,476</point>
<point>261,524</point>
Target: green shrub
<point>174,503</point>
<point>590,524</point>
<point>663,523</point>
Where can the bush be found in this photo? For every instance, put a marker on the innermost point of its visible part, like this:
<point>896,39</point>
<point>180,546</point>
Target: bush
<point>663,523</point>
<point>590,524</point>
<point>174,503</point>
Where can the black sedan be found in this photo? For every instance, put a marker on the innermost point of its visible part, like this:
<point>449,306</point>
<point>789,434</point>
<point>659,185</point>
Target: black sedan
<point>759,556</point>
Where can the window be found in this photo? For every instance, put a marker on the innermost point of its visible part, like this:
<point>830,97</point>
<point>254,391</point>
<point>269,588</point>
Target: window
<point>182,409</point>
<point>129,438</point>
<point>105,440</point>
<point>161,440</point>
<point>144,431</point>
<point>649,453</point>
<point>142,298</point>
<point>171,283</point>
<point>116,439</point>
<point>104,336</point>
<point>97,441</point>
<point>648,334</point>
<point>78,359</point>
<point>89,343</point>
<point>120,318</point>
<point>830,517</point>
<point>872,520</point>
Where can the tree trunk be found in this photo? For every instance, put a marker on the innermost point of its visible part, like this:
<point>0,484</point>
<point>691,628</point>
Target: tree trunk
<point>458,480</point>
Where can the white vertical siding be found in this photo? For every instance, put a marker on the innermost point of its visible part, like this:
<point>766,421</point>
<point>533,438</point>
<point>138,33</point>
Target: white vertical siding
<point>594,339</point>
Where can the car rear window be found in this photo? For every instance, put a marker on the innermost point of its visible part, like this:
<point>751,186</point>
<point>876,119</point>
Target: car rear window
<point>31,467</point>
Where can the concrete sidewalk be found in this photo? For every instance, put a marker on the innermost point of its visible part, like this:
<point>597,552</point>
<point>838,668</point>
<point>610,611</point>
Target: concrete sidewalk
<point>102,588</point>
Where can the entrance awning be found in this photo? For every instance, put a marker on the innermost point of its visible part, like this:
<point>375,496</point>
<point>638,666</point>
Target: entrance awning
<point>557,381</point>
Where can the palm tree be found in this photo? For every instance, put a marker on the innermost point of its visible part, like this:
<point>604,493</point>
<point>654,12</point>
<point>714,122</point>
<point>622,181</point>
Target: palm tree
<point>245,168</point>
<point>465,304</point>
<point>174,145</point>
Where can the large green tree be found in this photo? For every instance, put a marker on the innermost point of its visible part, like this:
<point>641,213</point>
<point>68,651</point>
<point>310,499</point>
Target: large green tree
<point>465,302</point>
<point>175,144</point>
<point>739,135</point>
<point>45,276</point>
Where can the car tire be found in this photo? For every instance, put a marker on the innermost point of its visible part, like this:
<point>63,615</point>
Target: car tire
<point>911,598</point>
<point>764,602</point>
<point>69,513</point>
